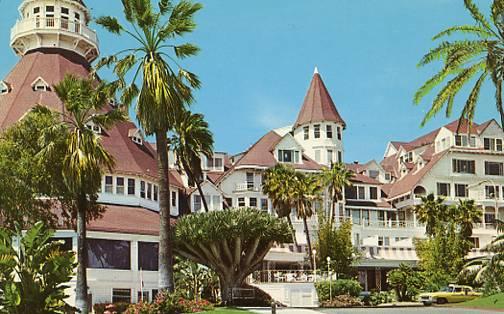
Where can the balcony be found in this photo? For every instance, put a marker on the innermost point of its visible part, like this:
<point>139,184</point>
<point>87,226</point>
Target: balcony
<point>247,187</point>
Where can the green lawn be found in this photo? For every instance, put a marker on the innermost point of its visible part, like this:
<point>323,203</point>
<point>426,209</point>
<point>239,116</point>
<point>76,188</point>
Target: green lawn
<point>492,302</point>
<point>227,310</point>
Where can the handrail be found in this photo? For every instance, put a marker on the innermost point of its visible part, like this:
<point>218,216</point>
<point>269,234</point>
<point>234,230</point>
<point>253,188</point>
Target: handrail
<point>50,23</point>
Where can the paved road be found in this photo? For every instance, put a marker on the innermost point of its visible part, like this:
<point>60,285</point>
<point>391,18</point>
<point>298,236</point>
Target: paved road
<point>415,310</point>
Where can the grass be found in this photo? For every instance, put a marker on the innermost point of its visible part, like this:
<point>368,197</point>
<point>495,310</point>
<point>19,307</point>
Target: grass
<point>227,310</point>
<point>492,302</point>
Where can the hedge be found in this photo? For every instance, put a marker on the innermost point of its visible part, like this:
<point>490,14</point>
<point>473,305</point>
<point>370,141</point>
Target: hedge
<point>338,287</point>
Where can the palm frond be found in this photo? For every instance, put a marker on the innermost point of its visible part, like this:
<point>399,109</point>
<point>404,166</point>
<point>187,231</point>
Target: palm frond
<point>477,15</point>
<point>465,29</point>
<point>186,50</point>
<point>470,106</point>
<point>110,23</point>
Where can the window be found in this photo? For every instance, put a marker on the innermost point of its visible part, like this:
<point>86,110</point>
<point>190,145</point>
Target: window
<point>95,128</point>
<point>50,8</point>
<point>306,132</point>
<point>228,203</point>
<point>340,156</point>
<point>316,131</point>
<point>491,192</point>
<point>461,140</point>
<point>374,174</point>
<point>241,202</point>
<point>149,191</point>
<point>461,190</point>
<point>383,241</point>
<point>338,132</point>
<point>156,193</point>
<point>214,163</point>
<point>4,88</point>
<point>329,131</point>
<point>119,185</point>
<point>36,10</point>
<point>443,189</point>
<point>492,144</point>
<point>121,295</point>
<point>109,254</point>
<point>77,16</point>
<point>142,189</point>
<point>143,296</point>
<point>173,198</point>
<point>40,86</point>
<point>464,166</point>
<point>475,243</point>
<point>387,176</point>
<point>108,184</point>
<point>216,202</point>
<point>472,141</point>
<point>264,204</point>
<point>373,193</point>
<point>288,156</point>
<point>148,256</point>
<point>65,10</point>
<point>329,156</point>
<point>131,186</point>
<point>317,155</point>
<point>361,193</point>
<point>494,168</point>
<point>250,180</point>
<point>197,203</point>
<point>253,202</point>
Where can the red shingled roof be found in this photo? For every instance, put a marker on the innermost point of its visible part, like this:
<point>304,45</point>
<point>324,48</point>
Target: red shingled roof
<point>125,219</point>
<point>52,65</point>
<point>318,105</point>
<point>261,154</point>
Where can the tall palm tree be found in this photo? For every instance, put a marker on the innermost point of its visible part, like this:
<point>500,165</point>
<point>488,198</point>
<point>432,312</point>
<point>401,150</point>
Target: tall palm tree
<point>480,56</point>
<point>336,178</point>
<point>278,185</point>
<point>306,192</point>
<point>192,138</point>
<point>431,212</point>
<point>84,158</point>
<point>467,214</point>
<point>165,87</point>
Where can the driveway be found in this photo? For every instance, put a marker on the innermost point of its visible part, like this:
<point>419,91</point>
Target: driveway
<point>413,310</point>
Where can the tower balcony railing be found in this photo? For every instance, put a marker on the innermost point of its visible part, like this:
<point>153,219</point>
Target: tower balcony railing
<point>52,23</point>
<point>247,187</point>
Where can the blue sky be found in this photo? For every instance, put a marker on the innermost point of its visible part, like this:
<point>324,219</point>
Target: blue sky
<point>258,57</point>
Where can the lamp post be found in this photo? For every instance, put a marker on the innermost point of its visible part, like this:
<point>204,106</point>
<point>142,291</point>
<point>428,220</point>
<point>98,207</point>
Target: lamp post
<point>330,277</point>
<point>314,265</point>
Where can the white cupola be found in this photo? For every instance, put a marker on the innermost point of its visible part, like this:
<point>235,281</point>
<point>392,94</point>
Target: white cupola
<point>61,24</point>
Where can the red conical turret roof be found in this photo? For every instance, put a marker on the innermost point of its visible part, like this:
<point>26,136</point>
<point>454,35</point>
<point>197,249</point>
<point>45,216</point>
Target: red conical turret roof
<point>318,105</point>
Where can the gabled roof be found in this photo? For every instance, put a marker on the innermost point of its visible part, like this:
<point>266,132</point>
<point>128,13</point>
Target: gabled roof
<point>318,105</point>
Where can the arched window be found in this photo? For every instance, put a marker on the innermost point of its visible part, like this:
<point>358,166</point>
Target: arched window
<point>4,88</point>
<point>419,191</point>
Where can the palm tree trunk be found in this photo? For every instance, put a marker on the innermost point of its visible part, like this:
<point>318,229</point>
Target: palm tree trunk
<point>198,185</point>
<point>308,241</point>
<point>81,291</point>
<point>293,232</point>
<point>165,280</point>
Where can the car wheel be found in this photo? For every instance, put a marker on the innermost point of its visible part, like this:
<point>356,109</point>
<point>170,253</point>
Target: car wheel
<point>442,301</point>
<point>427,303</point>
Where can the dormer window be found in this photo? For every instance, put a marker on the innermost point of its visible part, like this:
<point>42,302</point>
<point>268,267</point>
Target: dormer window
<point>113,103</point>
<point>4,88</point>
<point>95,128</point>
<point>136,136</point>
<point>39,85</point>
<point>288,156</point>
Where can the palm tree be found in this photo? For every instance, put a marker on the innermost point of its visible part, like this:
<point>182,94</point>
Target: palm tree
<point>192,139</point>
<point>84,158</point>
<point>467,214</point>
<point>492,264</point>
<point>431,212</point>
<point>305,193</point>
<point>278,184</point>
<point>336,179</point>
<point>480,56</point>
<point>164,90</point>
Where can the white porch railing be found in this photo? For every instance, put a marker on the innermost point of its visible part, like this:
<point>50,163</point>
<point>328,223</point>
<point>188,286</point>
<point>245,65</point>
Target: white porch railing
<point>247,186</point>
<point>52,23</point>
<point>291,276</point>
<point>383,224</point>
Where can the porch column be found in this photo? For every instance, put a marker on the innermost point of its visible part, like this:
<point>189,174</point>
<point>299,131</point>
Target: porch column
<point>414,219</point>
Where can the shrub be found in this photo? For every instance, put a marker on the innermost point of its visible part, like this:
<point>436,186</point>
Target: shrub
<point>169,303</point>
<point>119,307</point>
<point>342,301</point>
<point>339,287</point>
<point>380,297</point>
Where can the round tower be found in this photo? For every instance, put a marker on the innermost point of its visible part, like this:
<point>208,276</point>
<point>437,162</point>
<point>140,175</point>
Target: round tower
<point>60,24</point>
<point>319,127</point>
